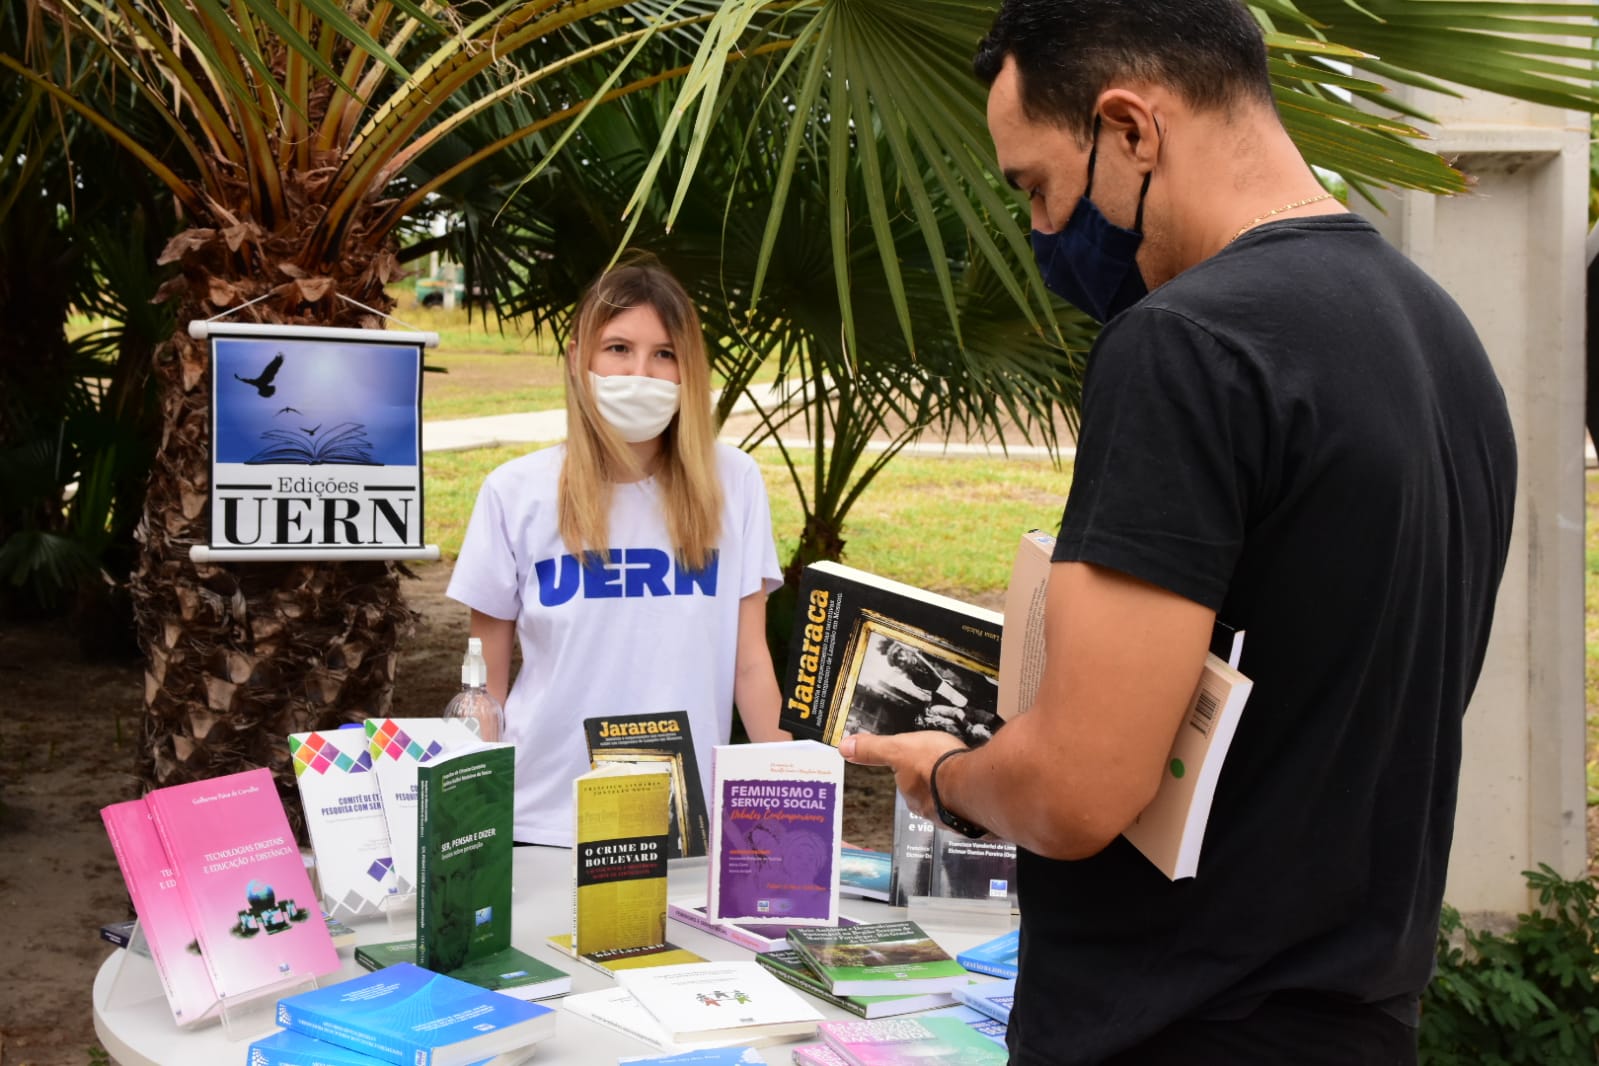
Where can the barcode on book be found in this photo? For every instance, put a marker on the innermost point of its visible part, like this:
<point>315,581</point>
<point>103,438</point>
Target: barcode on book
<point>1204,715</point>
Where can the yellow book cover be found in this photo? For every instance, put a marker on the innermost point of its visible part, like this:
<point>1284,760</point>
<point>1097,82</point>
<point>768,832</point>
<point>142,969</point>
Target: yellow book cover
<point>619,857</point>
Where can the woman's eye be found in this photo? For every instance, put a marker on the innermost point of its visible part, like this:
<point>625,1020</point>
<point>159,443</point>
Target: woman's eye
<point>666,353</point>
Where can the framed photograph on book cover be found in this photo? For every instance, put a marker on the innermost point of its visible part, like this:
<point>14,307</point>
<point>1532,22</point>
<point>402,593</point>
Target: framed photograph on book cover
<point>898,679</point>
<point>679,828</point>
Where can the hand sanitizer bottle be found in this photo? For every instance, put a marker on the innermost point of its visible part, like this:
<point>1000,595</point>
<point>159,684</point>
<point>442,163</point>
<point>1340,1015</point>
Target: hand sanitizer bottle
<point>473,705</point>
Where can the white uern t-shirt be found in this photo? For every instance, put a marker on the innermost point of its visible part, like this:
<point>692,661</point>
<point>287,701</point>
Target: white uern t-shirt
<point>636,635</point>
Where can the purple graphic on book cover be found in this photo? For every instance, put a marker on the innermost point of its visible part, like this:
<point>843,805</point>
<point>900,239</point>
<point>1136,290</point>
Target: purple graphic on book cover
<point>777,848</point>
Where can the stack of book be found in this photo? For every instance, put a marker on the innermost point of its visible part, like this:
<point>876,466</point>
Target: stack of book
<point>463,887</point>
<point>221,892</point>
<point>941,1037</point>
<point>699,1006</point>
<point>406,1016</point>
<point>874,971</point>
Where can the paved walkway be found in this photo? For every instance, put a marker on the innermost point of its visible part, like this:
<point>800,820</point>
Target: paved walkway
<point>538,427</point>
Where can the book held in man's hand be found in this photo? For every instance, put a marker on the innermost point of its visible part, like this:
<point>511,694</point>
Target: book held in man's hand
<point>881,959</point>
<point>1171,830</point>
<point>719,1000</point>
<point>777,822</point>
<point>869,654</point>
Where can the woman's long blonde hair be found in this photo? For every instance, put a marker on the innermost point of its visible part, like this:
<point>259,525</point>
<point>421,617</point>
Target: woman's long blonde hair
<point>597,457</point>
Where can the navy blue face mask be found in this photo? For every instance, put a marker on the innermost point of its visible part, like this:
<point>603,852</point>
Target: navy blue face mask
<point>1091,262</point>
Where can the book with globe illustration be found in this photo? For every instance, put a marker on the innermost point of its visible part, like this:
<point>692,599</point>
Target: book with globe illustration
<point>243,882</point>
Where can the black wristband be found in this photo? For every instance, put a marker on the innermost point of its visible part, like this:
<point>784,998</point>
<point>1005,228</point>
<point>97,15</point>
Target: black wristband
<point>945,815</point>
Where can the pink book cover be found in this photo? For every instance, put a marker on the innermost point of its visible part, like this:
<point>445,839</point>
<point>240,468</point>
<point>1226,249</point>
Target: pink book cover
<point>243,881</point>
<point>153,886</point>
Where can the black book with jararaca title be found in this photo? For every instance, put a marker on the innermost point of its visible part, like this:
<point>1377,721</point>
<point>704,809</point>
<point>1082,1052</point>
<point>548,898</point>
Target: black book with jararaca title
<point>464,846</point>
<point>659,740</point>
<point>869,654</point>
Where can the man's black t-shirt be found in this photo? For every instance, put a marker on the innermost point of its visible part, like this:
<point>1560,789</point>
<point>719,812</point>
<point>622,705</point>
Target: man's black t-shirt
<point>1302,432</point>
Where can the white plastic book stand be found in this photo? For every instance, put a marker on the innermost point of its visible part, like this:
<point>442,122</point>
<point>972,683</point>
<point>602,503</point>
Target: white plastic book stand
<point>253,1014</point>
<point>136,980</point>
<point>399,911</point>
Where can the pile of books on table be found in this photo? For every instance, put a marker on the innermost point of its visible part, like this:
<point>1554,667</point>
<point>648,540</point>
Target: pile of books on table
<point>407,1016</point>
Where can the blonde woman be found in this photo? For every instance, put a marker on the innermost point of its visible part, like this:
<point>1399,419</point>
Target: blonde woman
<point>633,561</point>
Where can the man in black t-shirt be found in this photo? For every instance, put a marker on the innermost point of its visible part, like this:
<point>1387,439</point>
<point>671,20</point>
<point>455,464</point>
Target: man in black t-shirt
<point>1289,427</point>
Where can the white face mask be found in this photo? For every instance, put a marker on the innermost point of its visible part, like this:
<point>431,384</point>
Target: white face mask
<point>638,408</point>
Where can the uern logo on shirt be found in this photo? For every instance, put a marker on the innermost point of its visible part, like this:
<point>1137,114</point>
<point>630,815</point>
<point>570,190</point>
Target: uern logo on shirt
<point>629,573</point>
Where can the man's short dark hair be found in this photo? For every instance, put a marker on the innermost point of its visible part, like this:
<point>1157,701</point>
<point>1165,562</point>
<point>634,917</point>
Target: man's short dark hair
<point>1068,51</point>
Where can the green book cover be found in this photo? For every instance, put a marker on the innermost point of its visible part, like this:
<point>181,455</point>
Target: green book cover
<point>879,959</point>
<point>789,966</point>
<point>464,844</point>
<point>512,971</point>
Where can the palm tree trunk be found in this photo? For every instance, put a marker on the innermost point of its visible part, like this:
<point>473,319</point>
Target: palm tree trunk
<point>239,655</point>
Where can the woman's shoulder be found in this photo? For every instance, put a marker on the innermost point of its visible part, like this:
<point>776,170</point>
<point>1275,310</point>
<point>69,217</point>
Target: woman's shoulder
<point>732,460</point>
<point>528,473</point>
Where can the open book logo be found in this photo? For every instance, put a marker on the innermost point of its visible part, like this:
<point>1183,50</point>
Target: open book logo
<point>344,444</point>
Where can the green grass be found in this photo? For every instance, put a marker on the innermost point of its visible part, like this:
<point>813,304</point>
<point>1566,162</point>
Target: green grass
<point>949,524</point>
<point>479,383</point>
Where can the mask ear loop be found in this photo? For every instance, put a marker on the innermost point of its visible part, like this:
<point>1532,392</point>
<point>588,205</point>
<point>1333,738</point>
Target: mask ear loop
<point>1093,154</point>
<point>1138,220</point>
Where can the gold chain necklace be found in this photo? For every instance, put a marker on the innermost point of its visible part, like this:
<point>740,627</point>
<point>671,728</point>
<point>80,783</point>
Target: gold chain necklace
<point>1258,219</point>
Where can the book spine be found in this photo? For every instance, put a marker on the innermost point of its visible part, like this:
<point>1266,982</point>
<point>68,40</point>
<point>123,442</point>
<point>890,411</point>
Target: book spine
<point>731,933</point>
<point>993,969</point>
<point>319,1025</point>
<point>424,865</point>
<point>811,989</point>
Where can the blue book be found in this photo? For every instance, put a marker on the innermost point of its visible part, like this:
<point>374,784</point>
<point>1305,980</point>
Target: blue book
<point>993,998</point>
<point>289,1048</point>
<point>722,1056</point>
<point>864,873</point>
<point>409,1016</point>
<point>995,957</point>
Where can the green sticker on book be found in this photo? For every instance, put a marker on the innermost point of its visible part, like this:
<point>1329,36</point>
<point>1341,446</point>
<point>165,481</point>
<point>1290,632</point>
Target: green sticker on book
<point>1177,768</point>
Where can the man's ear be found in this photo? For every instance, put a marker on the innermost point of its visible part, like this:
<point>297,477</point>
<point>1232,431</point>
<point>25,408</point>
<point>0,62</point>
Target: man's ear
<point>1128,125</point>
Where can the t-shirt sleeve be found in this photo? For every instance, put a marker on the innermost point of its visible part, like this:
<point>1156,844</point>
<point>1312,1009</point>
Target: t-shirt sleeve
<point>1168,457</point>
<point>761,572</point>
<point>485,576</point>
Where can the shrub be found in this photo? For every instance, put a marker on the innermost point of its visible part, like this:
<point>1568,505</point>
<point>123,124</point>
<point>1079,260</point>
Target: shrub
<point>1529,996</point>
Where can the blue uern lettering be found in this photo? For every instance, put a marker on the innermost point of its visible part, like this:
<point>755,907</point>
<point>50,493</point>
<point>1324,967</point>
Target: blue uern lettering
<point>631,573</point>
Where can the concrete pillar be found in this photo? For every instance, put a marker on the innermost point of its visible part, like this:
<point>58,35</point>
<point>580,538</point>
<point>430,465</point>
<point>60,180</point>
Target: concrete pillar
<point>1511,252</point>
